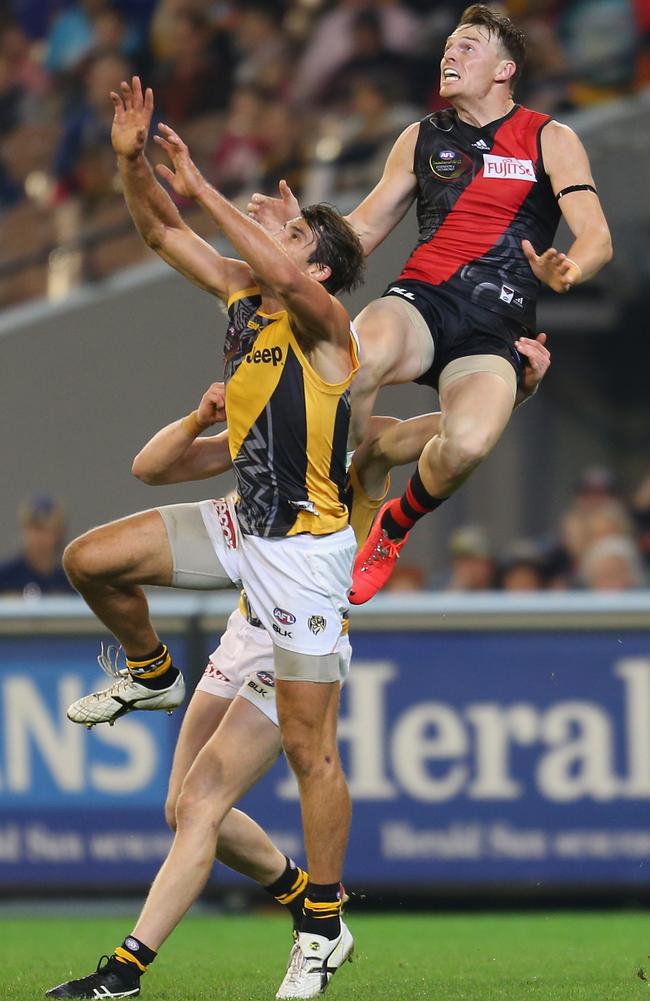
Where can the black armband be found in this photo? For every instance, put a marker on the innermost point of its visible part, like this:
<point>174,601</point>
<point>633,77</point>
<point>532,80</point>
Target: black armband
<point>575,187</point>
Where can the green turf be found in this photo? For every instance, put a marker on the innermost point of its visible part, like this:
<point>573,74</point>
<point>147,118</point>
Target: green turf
<point>501,957</point>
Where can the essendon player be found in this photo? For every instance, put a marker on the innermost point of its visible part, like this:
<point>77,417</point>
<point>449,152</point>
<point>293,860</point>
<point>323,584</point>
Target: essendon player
<point>491,180</point>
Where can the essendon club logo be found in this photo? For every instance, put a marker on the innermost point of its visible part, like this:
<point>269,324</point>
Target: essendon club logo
<point>508,168</point>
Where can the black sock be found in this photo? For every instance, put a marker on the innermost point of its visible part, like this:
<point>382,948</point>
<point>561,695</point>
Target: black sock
<point>154,671</point>
<point>322,910</point>
<point>403,512</point>
<point>135,954</point>
<point>289,890</point>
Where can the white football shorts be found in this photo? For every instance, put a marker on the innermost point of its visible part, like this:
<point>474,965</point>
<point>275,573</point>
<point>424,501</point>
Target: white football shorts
<point>298,585</point>
<point>242,665</point>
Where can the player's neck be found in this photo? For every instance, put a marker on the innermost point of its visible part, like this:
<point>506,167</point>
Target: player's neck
<point>270,302</point>
<point>481,111</point>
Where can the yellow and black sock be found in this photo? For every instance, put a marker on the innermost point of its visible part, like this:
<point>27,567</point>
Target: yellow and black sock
<point>154,671</point>
<point>322,910</point>
<point>289,890</point>
<point>135,954</point>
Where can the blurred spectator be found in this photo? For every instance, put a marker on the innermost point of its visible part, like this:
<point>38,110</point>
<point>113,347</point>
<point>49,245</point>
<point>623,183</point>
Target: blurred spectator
<point>472,562</point>
<point>331,42</point>
<point>406,578</point>
<point>239,154</point>
<point>26,70</point>
<point>37,568</point>
<point>350,151</point>
<point>72,35</point>
<point>282,133</point>
<point>545,82</point>
<point>369,57</point>
<point>599,38</point>
<point>262,49</point>
<point>612,564</point>
<point>521,567</point>
<point>196,76</point>
<point>84,163</point>
<point>641,515</point>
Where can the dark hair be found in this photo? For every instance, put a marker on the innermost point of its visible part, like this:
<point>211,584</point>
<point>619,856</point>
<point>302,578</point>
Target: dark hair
<point>337,247</point>
<point>511,37</point>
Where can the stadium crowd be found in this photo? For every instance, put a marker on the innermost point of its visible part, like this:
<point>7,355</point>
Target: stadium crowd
<point>309,90</point>
<point>602,543</point>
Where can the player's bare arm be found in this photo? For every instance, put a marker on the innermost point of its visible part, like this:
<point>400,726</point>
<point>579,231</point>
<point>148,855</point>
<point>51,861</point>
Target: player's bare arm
<point>315,314</point>
<point>176,454</point>
<point>567,165</point>
<point>378,213</point>
<point>152,210</point>
<point>389,201</point>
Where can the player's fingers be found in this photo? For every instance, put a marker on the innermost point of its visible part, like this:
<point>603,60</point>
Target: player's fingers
<point>162,142</point>
<point>164,171</point>
<point>136,89</point>
<point>117,102</point>
<point>126,95</point>
<point>541,338</point>
<point>529,250</point>
<point>285,191</point>
<point>171,136</point>
<point>148,100</point>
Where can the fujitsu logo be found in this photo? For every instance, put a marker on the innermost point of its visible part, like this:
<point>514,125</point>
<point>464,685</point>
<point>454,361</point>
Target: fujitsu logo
<point>508,168</point>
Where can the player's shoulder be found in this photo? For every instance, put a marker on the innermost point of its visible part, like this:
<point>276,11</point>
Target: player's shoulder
<point>560,138</point>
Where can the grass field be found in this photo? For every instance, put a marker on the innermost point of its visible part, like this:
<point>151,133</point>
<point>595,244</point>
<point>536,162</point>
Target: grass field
<point>501,957</point>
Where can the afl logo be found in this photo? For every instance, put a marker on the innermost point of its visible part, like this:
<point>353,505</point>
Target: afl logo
<point>285,618</point>
<point>266,678</point>
<point>449,164</point>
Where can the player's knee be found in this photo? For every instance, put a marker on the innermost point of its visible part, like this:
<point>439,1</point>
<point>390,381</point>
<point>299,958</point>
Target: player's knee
<point>193,808</point>
<point>307,756</point>
<point>170,813</point>
<point>461,452</point>
<point>81,560</point>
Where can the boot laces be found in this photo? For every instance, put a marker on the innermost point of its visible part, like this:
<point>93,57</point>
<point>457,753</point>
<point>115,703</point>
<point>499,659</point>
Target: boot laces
<point>386,548</point>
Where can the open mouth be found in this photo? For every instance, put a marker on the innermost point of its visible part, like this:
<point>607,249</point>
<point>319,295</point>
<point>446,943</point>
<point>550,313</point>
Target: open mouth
<point>450,74</point>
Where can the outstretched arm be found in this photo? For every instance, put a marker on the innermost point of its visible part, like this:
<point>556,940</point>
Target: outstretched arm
<point>567,164</point>
<point>152,210</point>
<point>316,314</point>
<point>176,454</point>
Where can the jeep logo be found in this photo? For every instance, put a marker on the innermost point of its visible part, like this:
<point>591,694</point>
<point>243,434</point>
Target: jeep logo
<point>264,356</point>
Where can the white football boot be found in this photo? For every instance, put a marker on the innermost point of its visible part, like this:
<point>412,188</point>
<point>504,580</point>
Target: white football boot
<point>125,695</point>
<point>313,961</point>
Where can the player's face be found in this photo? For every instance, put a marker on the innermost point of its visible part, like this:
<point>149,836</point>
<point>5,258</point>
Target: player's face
<point>471,59</point>
<point>298,241</point>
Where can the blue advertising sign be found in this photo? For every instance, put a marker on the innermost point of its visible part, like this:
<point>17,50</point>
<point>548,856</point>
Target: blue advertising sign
<point>75,805</point>
<point>482,758</point>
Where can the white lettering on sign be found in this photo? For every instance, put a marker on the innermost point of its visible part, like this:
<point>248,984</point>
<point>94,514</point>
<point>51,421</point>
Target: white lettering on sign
<point>37,735</point>
<point>508,168</point>
<point>436,752</point>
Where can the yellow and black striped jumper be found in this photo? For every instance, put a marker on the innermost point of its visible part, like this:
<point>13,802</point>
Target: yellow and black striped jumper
<point>287,427</point>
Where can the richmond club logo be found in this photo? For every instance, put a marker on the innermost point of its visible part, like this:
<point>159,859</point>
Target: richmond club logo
<point>317,624</point>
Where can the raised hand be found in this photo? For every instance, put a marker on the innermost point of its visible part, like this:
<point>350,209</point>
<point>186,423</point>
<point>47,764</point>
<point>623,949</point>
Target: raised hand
<point>556,270</point>
<point>132,118</point>
<point>539,360</point>
<point>186,179</point>
<point>212,408</point>
<point>273,213</point>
